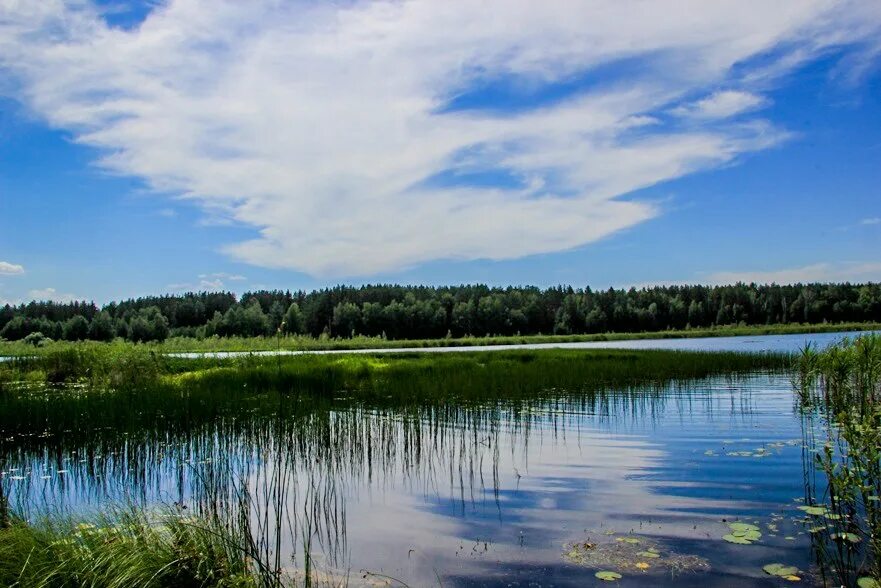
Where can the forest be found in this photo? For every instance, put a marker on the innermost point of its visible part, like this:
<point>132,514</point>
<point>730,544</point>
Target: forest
<point>426,312</point>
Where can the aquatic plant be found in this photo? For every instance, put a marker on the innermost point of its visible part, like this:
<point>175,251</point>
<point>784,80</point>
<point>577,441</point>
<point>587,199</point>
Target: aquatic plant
<point>129,548</point>
<point>842,385</point>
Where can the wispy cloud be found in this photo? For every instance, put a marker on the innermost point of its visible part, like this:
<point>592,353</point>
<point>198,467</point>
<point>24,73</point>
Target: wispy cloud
<point>721,105</point>
<point>51,294</point>
<point>321,124</point>
<point>10,269</point>
<point>818,272</point>
<point>871,221</point>
<point>213,281</point>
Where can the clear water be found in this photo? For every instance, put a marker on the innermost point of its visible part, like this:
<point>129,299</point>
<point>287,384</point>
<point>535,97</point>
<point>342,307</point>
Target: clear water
<point>500,494</point>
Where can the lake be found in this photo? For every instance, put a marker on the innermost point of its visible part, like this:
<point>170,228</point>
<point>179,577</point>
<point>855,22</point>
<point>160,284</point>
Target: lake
<point>538,490</point>
<point>756,343</point>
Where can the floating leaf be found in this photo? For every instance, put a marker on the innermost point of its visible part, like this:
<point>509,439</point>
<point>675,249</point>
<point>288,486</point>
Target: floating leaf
<point>792,578</point>
<point>778,569</point>
<point>648,554</point>
<point>866,582</point>
<point>736,540</point>
<point>631,540</point>
<point>851,537</point>
<point>742,527</point>
<point>608,576</point>
<point>814,510</point>
<point>641,565</point>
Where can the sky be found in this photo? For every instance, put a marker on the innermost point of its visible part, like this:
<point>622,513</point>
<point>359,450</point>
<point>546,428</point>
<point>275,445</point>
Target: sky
<point>164,146</point>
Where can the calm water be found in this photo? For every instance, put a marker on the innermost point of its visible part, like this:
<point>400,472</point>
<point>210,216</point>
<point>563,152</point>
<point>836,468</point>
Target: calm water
<point>775,343</point>
<point>498,494</point>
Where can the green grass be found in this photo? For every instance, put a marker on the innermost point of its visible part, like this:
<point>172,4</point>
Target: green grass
<point>306,343</point>
<point>128,548</point>
<point>129,367</point>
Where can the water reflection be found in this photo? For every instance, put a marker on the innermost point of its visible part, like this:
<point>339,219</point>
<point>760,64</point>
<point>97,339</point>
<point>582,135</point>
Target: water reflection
<point>483,493</point>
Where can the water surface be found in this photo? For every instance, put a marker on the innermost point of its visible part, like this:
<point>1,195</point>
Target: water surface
<point>502,493</point>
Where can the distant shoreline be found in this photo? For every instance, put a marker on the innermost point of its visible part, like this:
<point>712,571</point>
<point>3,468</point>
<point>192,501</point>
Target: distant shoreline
<point>305,343</point>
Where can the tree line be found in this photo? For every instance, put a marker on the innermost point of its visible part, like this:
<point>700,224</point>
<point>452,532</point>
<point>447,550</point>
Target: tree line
<point>422,312</point>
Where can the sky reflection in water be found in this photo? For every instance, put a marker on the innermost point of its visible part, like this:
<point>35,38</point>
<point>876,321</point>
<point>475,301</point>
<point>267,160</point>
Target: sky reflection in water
<point>483,495</point>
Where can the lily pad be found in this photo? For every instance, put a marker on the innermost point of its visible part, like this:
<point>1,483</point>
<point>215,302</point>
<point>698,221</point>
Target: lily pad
<point>742,527</point>
<point>866,582</point>
<point>737,540</point>
<point>648,554</point>
<point>817,511</point>
<point>608,576</point>
<point>849,537</point>
<point>778,569</point>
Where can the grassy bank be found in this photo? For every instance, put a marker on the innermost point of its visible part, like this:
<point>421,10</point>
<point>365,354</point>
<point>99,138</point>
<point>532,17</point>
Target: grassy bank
<point>306,343</point>
<point>130,367</point>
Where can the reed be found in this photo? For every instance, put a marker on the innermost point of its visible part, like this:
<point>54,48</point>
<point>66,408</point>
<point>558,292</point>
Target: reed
<point>841,387</point>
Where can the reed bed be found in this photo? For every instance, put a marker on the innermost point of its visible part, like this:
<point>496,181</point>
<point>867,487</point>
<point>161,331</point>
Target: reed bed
<point>841,388</point>
<point>124,413</point>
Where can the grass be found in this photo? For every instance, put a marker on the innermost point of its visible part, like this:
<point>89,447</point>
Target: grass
<point>130,368</point>
<point>127,548</point>
<point>306,343</point>
<point>842,385</point>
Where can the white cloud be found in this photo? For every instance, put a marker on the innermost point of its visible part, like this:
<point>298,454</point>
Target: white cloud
<point>223,276</point>
<point>52,295</point>
<point>214,281</point>
<point>10,269</point>
<point>318,124</point>
<point>818,272</point>
<point>721,105</point>
<point>871,221</point>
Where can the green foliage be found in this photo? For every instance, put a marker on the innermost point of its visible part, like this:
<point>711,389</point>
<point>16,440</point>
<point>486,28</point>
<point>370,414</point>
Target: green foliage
<point>128,548</point>
<point>149,324</point>
<point>76,328</point>
<point>102,328</point>
<point>418,312</point>
<point>293,319</point>
<point>37,339</point>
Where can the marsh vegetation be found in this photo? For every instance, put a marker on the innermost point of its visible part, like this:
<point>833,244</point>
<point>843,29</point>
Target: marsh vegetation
<point>125,467</point>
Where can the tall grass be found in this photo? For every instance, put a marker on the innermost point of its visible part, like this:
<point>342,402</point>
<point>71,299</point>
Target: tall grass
<point>843,385</point>
<point>130,548</point>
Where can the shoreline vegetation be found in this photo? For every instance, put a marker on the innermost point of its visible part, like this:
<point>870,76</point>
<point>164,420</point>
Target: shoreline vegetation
<point>389,312</point>
<point>839,395</point>
<point>112,394</point>
<point>309,343</point>
<point>93,384</point>
<point>126,367</point>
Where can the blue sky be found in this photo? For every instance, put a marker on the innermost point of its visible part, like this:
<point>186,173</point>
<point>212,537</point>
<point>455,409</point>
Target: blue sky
<point>167,146</point>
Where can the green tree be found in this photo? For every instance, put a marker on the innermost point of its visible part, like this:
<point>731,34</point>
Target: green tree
<point>346,319</point>
<point>101,328</point>
<point>293,319</point>
<point>76,328</point>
